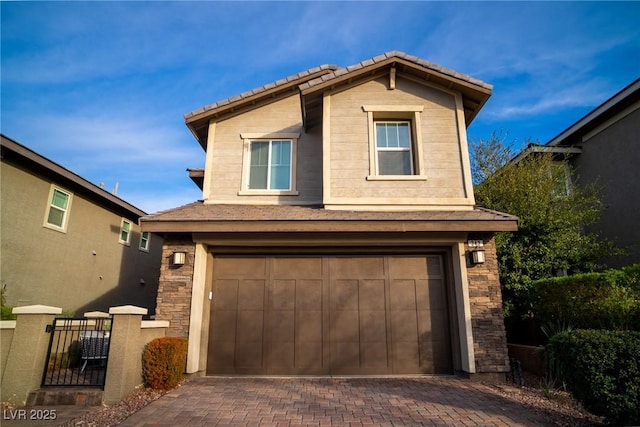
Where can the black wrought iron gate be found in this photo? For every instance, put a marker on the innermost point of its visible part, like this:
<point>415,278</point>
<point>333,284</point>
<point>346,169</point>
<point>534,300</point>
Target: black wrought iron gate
<point>78,352</point>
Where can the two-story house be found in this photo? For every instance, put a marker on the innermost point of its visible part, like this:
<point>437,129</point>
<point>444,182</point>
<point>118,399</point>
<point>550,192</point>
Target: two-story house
<point>602,149</point>
<point>68,243</point>
<point>337,232</point>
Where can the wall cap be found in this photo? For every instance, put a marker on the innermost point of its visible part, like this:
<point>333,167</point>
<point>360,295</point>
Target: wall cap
<point>7,324</point>
<point>36,309</point>
<point>128,309</point>
<point>147,324</point>
<point>96,314</point>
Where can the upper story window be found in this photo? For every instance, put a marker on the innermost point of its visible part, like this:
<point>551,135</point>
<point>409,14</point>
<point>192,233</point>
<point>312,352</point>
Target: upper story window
<point>125,232</point>
<point>270,164</point>
<point>144,241</point>
<point>394,148</point>
<point>57,214</point>
<point>395,142</point>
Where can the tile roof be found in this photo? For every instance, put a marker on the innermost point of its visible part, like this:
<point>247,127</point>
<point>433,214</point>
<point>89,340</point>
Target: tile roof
<point>250,93</point>
<point>395,54</point>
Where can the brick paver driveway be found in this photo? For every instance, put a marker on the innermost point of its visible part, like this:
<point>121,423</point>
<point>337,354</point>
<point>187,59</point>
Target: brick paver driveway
<point>419,401</point>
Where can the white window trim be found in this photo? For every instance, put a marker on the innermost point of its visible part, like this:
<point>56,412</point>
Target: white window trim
<point>65,218</point>
<point>410,113</point>
<point>128,241</point>
<point>247,138</point>
<point>148,240</point>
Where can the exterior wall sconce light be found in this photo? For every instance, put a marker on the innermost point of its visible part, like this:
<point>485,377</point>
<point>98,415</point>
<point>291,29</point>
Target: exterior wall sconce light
<point>477,257</point>
<point>477,254</point>
<point>179,258</point>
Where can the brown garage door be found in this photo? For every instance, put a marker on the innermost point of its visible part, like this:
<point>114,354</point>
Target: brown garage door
<point>329,315</point>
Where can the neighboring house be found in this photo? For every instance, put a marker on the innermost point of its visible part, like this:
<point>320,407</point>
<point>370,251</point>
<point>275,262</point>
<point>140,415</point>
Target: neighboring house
<point>336,230</point>
<point>604,149</point>
<point>68,243</point>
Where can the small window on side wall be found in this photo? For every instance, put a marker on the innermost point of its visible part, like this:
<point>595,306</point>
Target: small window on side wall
<point>144,241</point>
<point>57,215</point>
<point>125,232</point>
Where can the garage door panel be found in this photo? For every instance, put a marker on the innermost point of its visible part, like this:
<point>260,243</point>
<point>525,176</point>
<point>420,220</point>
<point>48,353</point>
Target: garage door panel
<point>249,326</point>
<point>406,357</point>
<point>240,267</point>
<point>344,295</point>
<point>345,326</point>
<point>345,357</point>
<point>281,357</point>
<point>282,295</point>
<point>249,355</point>
<point>404,325</point>
<point>436,294</point>
<point>226,294</point>
<point>407,267</point>
<point>309,294</point>
<point>224,325</point>
<point>281,325</point>
<point>433,323</point>
<point>357,267</point>
<point>308,326</point>
<point>371,294</point>
<point>374,355</point>
<point>373,326</point>
<point>251,294</point>
<point>297,267</point>
<point>222,357</point>
<point>402,294</point>
<point>308,357</point>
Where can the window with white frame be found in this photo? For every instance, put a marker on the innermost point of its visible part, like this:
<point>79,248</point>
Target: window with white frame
<point>270,164</point>
<point>395,142</point>
<point>144,241</point>
<point>125,232</point>
<point>57,214</point>
<point>394,148</point>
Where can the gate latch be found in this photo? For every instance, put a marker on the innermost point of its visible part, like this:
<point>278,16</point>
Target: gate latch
<point>48,329</point>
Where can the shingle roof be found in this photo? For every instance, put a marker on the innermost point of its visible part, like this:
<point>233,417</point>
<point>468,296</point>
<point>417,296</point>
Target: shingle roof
<point>199,212</point>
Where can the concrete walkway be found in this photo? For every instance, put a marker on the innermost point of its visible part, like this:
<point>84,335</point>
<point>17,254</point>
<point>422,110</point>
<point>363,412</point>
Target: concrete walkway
<point>420,401</point>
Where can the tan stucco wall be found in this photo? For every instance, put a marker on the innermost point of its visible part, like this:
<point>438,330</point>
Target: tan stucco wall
<point>84,269</point>
<point>282,116</point>
<point>6,335</point>
<point>441,146</point>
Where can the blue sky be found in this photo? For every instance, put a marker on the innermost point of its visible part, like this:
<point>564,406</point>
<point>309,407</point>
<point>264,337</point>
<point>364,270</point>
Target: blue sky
<point>102,87</point>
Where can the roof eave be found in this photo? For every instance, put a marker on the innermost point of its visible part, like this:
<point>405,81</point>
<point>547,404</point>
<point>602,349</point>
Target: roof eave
<point>367,226</point>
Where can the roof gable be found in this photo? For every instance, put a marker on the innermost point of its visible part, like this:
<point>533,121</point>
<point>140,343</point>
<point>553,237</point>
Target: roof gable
<point>313,82</point>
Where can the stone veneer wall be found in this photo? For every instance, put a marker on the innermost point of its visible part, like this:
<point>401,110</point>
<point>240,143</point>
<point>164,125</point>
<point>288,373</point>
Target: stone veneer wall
<point>487,320</point>
<point>176,283</point>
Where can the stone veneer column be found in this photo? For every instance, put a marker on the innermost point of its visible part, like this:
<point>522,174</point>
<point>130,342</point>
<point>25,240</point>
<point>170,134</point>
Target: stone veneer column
<point>124,365</point>
<point>487,320</point>
<point>28,352</point>
<point>175,286</point>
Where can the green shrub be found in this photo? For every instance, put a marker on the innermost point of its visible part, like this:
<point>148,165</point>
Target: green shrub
<point>609,300</point>
<point>6,313</point>
<point>602,370</point>
<point>163,362</point>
